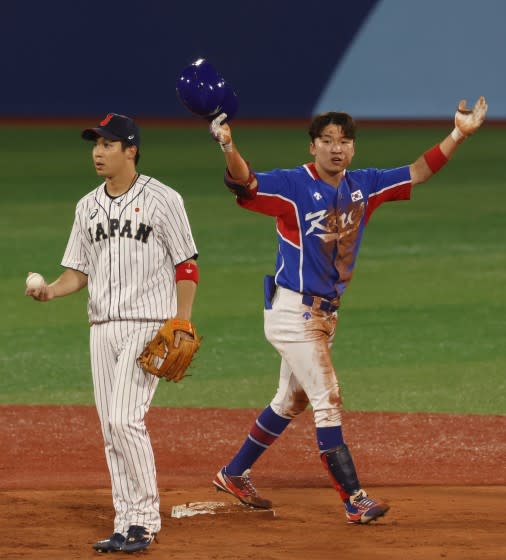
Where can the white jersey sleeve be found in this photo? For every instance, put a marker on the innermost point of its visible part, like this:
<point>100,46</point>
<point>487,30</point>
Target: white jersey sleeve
<point>76,255</point>
<point>177,230</point>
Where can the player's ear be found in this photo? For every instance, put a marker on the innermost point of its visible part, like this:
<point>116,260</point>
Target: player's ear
<point>131,152</point>
<point>312,148</point>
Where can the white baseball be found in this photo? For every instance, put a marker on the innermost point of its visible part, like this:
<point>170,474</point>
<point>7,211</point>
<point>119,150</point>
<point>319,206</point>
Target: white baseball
<point>35,281</point>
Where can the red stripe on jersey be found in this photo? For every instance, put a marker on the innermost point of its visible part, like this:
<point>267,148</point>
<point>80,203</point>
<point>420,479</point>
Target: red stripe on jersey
<point>401,191</point>
<point>261,436</point>
<point>282,208</point>
<point>311,169</point>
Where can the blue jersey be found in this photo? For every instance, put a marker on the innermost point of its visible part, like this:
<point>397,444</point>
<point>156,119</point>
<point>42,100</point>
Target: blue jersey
<point>320,227</point>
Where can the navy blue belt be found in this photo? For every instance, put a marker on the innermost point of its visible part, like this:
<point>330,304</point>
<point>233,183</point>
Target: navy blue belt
<point>317,302</point>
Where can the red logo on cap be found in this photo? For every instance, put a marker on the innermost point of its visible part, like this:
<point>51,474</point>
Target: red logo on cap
<point>105,122</point>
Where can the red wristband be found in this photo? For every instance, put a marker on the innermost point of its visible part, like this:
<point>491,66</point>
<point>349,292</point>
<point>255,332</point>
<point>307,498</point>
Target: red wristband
<point>187,271</point>
<point>435,158</point>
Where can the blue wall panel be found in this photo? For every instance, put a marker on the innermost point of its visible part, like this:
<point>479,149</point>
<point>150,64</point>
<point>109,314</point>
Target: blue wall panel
<point>83,58</point>
<point>285,58</point>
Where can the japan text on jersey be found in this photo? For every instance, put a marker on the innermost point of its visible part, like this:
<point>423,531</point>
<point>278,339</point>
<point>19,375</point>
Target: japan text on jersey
<point>129,247</point>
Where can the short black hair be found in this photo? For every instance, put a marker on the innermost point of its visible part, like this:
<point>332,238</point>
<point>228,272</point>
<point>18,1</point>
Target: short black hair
<point>125,145</point>
<point>322,120</point>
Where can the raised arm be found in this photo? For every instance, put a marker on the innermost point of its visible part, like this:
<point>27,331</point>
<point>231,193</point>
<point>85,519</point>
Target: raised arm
<point>237,167</point>
<point>467,122</point>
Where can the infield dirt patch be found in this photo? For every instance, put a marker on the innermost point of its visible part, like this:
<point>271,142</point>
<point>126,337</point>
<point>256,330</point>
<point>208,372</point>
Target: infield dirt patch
<point>443,475</point>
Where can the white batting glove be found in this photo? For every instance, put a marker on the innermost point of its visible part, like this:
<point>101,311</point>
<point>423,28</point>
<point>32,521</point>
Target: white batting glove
<point>467,121</point>
<point>221,132</point>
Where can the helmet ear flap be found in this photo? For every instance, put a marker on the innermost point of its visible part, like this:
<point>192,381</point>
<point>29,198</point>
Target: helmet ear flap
<point>204,92</point>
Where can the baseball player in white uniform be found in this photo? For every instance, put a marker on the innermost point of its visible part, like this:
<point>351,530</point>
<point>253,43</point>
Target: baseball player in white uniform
<point>132,246</point>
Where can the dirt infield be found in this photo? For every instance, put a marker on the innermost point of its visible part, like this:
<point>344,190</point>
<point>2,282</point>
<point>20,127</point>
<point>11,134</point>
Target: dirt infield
<point>443,475</point>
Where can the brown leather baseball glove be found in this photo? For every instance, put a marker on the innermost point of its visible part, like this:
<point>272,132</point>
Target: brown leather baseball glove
<point>162,358</point>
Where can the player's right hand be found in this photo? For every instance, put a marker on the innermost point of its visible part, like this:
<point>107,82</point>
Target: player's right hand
<point>41,293</point>
<point>221,132</point>
<point>45,293</point>
<point>469,120</point>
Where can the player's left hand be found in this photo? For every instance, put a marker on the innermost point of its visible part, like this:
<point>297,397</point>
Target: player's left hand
<point>163,358</point>
<point>469,120</point>
<point>179,335</point>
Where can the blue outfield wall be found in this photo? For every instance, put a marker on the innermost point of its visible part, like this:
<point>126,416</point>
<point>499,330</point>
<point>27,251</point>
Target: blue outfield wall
<point>89,57</point>
<point>288,59</point>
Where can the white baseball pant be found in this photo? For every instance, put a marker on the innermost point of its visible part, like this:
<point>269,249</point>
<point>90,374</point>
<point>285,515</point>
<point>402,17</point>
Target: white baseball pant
<point>303,337</point>
<point>123,394</point>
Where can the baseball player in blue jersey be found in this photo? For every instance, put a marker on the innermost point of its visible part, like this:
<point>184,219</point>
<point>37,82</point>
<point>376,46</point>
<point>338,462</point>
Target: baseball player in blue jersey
<point>321,209</point>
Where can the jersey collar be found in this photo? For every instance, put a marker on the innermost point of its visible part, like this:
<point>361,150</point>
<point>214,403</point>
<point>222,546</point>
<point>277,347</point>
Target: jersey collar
<point>311,171</point>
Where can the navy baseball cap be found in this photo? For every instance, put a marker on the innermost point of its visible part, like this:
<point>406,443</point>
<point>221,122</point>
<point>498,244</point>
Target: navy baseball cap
<point>115,127</point>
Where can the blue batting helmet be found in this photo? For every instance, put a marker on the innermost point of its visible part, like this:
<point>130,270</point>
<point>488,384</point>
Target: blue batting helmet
<point>204,92</point>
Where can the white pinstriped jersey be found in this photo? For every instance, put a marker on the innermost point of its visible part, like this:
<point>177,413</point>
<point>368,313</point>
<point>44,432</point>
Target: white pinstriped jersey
<point>129,247</point>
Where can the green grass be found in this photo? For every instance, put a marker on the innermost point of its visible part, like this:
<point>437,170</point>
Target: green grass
<point>422,326</point>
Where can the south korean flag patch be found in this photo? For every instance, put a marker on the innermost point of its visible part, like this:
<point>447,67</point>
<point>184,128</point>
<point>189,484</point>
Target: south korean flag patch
<point>356,196</point>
